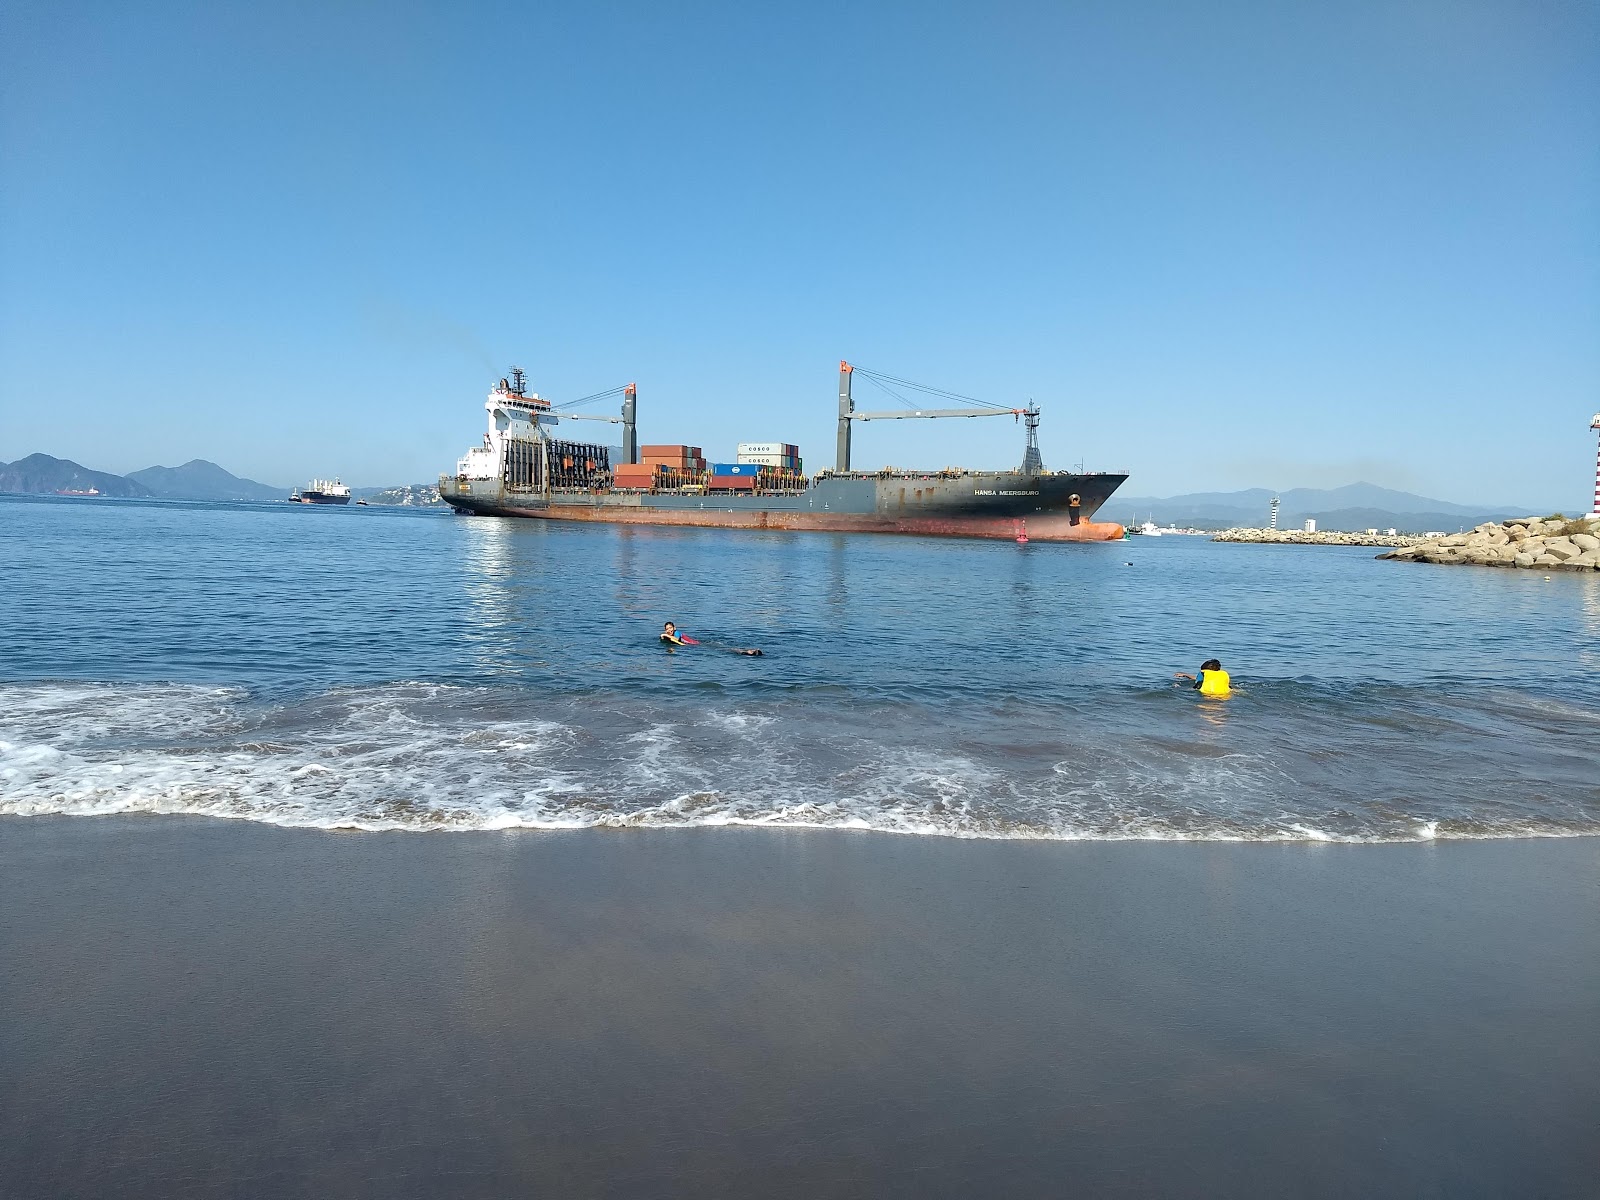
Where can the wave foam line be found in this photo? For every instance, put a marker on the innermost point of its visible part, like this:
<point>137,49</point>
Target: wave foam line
<point>416,758</point>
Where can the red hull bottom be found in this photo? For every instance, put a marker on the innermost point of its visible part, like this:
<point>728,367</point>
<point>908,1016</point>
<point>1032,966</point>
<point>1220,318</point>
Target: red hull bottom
<point>1042,527</point>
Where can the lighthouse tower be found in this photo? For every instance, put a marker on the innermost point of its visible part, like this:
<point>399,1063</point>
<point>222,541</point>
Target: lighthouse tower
<point>1595,424</point>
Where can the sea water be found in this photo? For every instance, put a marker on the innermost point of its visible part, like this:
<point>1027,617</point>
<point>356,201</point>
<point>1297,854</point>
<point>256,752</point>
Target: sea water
<point>372,668</point>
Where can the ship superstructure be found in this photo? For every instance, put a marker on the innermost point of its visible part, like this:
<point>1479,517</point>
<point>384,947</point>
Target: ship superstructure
<point>523,469</point>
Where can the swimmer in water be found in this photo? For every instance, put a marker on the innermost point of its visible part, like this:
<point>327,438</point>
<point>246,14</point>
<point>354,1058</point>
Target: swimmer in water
<point>671,636</point>
<point>1212,680</point>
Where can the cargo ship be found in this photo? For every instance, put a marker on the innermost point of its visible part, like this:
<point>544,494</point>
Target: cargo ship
<point>523,470</point>
<point>321,491</point>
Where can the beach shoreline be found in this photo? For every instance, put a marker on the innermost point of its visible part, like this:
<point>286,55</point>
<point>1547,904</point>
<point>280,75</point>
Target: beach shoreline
<point>201,1007</point>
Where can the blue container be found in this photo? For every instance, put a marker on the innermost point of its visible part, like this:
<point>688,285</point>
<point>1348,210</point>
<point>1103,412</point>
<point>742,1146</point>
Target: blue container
<point>735,469</point>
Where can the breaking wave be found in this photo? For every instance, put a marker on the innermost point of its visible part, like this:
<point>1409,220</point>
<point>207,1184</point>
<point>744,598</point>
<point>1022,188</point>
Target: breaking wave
<point>1389,764</point>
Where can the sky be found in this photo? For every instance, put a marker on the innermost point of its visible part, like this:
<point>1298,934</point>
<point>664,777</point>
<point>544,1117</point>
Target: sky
<point>1222,245</point>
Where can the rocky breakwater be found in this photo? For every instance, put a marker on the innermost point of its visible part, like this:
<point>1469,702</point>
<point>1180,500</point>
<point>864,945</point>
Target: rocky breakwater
<point>1542,543</point>
<point>1327,537</point>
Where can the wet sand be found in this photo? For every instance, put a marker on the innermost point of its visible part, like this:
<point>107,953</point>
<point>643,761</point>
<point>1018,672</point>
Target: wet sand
<point>207,1008</point>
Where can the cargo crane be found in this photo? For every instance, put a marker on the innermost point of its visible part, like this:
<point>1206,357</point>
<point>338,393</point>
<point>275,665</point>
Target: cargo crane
<point>628,420</point>
<point>1031,462</point>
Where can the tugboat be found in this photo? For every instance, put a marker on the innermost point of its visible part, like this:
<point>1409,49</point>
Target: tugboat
<point>321,491</point>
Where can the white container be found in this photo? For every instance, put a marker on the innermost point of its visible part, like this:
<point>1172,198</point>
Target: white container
<point>1311,525</point>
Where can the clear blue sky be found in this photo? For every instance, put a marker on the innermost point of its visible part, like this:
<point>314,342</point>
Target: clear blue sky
<point>1223,244</point>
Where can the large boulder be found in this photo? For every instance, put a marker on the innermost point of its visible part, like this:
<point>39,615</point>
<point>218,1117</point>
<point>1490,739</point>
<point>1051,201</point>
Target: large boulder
<point>1586,541</point>
<point>1524,559</point>
<point>1561,549</point>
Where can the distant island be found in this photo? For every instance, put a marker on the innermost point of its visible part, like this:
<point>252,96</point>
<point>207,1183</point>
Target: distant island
<point>42,473</point>
<point>197,479</point>
<point>1353,508</point>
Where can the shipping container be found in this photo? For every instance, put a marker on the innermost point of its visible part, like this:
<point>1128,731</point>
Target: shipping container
<point>732,482</point>
<point>672,451</point>
<point>735,469</point>
<point>778,448</point>
<point>771,460</point>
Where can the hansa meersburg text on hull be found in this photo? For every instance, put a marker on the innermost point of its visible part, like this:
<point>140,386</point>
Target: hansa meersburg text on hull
<point>524,470</point>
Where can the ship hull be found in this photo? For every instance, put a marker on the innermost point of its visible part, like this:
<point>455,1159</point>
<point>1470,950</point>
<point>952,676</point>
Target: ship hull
<point>972,506</point>
<point>304,499</point>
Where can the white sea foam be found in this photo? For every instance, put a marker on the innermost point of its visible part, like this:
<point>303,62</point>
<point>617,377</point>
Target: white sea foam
<point>423,757</point>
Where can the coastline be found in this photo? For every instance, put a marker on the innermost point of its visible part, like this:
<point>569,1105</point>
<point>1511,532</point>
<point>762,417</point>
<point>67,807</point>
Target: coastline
<point>199,1006</point>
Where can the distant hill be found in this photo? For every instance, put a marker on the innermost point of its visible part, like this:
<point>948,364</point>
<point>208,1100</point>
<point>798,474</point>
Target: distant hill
<point>408,495</point>
<point>1356,506</point>
<point>198,479</point>
<point>42,473</point>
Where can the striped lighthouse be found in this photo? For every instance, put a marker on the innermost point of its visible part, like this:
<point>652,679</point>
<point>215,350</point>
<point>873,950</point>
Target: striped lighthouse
<point>1595,424</point>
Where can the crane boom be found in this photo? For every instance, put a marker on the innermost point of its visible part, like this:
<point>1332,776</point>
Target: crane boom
<point>628,420</point>
<point>895,414</point>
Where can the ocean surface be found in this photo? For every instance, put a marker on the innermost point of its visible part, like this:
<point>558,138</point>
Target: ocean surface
<point>391,669</point>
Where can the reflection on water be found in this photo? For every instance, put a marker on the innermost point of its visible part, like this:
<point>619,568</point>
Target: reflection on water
<point>487,580</point>
<point>1213,710</point>
<point>1589,648</point>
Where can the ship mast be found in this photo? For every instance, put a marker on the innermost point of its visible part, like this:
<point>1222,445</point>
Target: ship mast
<point>1032,463</point>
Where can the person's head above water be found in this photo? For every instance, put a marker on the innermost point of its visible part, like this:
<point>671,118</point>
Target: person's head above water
<point>1211,664</point>
<point>669,627</point>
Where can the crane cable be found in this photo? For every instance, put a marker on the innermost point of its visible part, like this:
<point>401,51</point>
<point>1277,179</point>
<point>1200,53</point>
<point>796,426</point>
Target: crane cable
<point>616,391</point>
<point>880,379</point>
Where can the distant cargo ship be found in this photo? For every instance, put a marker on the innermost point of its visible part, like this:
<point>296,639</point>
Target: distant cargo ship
<point>522,470</point>
<point>321,491</point>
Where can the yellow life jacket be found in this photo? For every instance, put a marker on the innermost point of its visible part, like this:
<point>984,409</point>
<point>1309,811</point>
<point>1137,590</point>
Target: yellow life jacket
<point>1214,683</point>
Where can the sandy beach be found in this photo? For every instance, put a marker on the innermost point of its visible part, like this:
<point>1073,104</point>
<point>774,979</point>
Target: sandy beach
<point>208,1008</point>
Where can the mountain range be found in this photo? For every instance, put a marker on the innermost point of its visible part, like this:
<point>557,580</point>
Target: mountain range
<point>42,473</point>
<point>194,480</point>
<point>1355,506</point>
<point>198,479</point>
